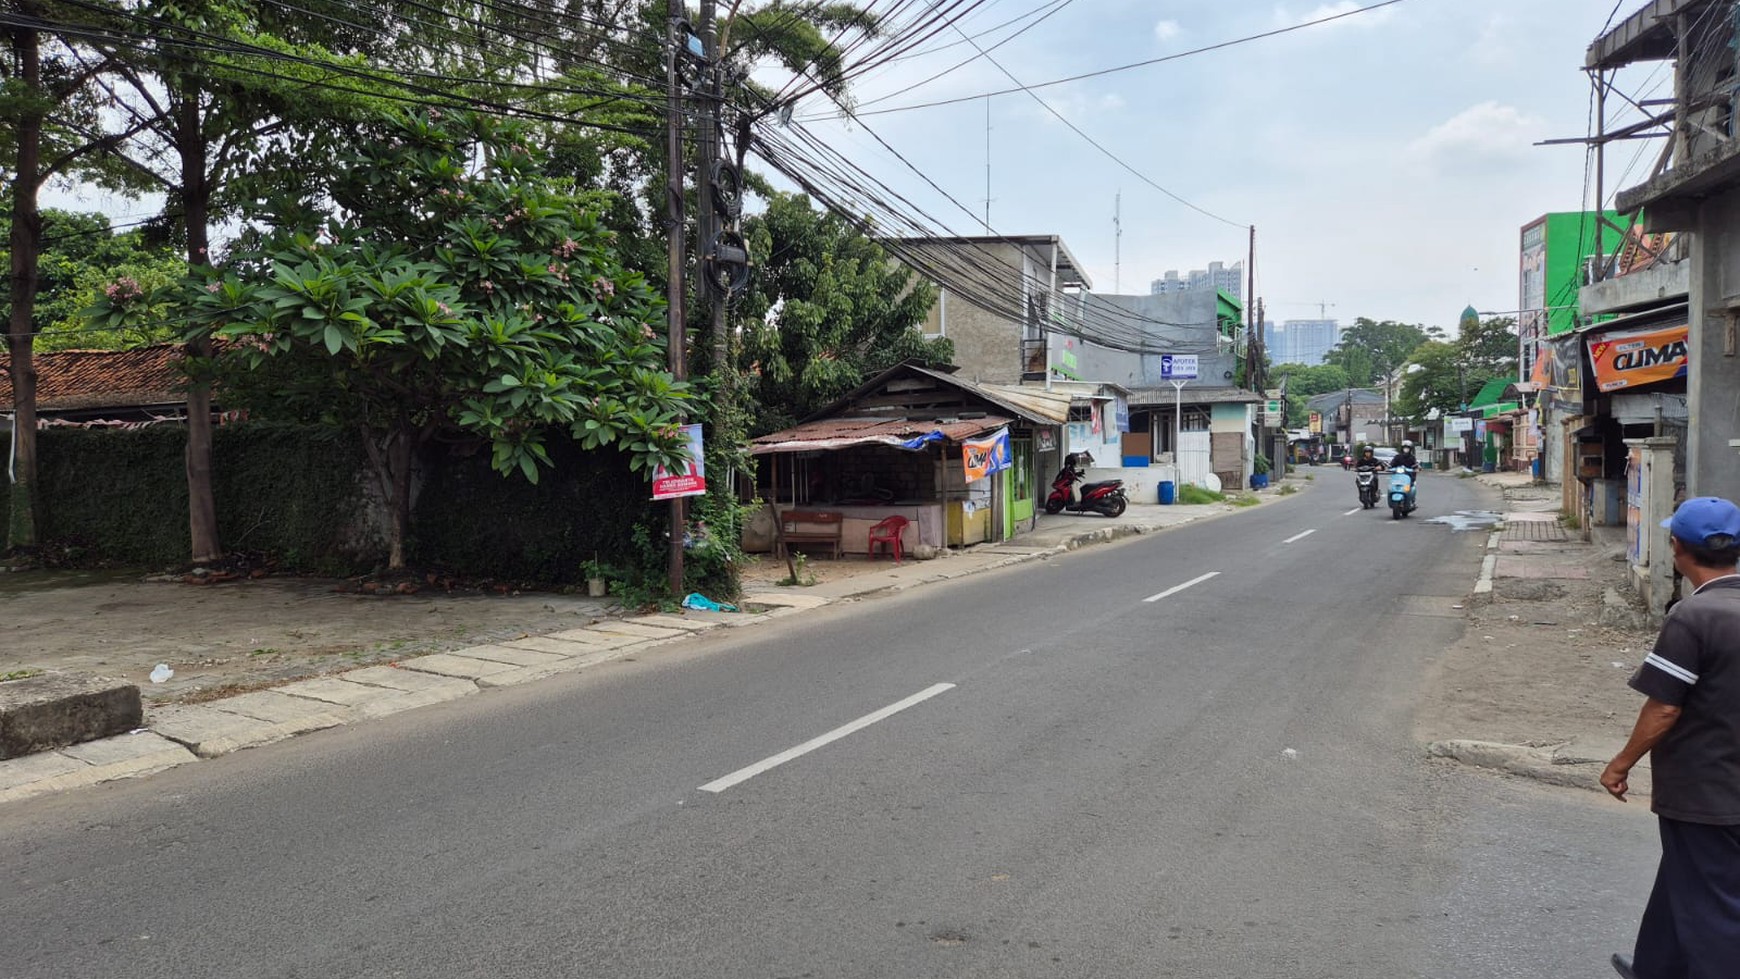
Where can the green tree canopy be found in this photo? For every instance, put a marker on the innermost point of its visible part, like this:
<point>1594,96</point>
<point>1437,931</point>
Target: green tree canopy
<point>81,257</point>
<point>454,288</point>
<point>826,310</point>
<point>1305,382</point>
<point>1370,349</point>
<point>1447,373</point>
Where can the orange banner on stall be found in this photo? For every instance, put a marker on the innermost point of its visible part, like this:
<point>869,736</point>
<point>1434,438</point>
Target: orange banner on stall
<point>1634,357</point>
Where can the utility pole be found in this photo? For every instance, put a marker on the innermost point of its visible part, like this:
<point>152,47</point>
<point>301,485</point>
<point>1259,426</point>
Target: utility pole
<point>676,228</point>
<point>1251,373</point>
<point>707,223</point>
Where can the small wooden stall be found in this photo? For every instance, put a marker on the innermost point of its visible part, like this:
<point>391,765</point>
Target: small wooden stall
<point>894,447</point>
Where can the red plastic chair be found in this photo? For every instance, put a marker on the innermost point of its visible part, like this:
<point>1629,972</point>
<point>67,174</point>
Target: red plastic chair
<point>888,532</point>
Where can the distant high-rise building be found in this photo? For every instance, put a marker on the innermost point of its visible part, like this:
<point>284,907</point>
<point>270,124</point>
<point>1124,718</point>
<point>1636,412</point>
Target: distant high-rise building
<point>1303,341</point>
<point>1217,277</point>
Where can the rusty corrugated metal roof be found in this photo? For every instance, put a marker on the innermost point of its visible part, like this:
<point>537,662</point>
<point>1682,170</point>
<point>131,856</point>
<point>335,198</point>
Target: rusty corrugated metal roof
<point>1038,403</point>
<point>840,433</point>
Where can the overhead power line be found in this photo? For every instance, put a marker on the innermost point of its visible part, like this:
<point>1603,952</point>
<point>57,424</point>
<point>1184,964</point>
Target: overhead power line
<point>1129,67</point>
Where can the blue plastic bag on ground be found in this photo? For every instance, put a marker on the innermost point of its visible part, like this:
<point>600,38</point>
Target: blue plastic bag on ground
<point>702,603</point>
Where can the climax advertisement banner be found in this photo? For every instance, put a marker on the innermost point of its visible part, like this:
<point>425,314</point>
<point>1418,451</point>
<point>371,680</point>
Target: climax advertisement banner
<point>692,481</point>
<point>987,455</point>
<point>1644,356</point>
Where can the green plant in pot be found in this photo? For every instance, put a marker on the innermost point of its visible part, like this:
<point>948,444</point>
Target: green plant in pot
<point>597,575</point>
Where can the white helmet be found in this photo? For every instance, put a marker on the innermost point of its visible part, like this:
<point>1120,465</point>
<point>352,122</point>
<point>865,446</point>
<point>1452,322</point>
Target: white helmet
<point>1407,443</point>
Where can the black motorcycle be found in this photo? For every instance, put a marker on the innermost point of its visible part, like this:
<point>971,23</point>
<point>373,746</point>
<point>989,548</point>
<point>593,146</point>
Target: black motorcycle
<point>1366,478</point>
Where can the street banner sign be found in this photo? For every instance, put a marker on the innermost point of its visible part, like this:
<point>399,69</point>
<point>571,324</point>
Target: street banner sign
<point>987,455</point>
<point>1316,424</point>
<point>1634,357</point>
<point>1458,426</point>
<point>1178,367</point>
<point>692,481</point>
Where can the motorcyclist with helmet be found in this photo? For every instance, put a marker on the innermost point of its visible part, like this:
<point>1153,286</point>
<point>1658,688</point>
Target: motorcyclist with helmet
<point>1406,459</point>
<point>1368,462</point>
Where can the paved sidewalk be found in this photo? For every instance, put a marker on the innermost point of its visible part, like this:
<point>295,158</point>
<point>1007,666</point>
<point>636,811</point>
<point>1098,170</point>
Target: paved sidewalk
<point>1536,567</point>
<point>179,734</point>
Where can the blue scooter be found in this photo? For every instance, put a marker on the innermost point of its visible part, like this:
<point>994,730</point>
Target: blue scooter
<point>1402,492</point>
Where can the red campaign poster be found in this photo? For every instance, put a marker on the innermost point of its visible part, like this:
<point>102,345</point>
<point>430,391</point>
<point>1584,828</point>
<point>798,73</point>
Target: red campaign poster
<point>692,481</point>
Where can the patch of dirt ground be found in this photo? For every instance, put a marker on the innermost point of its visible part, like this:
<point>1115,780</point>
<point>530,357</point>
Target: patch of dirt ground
<point>1536,665</point>
<point>251,633</point>
<point>247,634</point>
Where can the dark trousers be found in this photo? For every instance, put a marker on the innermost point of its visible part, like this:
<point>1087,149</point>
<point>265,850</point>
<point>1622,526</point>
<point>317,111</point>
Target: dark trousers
<point>1691,928</point>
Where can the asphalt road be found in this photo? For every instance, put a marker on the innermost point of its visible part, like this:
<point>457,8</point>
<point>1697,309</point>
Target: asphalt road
<point>1038,772</point>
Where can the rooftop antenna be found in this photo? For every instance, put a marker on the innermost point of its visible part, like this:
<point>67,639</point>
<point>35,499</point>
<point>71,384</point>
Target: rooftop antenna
<point>987,163</point>
<point>1117,243</point>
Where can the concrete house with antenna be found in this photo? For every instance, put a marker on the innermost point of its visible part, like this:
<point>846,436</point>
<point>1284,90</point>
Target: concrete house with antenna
<point>1020,310</point>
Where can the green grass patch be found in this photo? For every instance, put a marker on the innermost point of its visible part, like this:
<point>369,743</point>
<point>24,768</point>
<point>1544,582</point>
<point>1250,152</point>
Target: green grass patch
<point>1193,495</point>
<point>1243,499</point>
<point>1287,489</point>
<point>19,675</point>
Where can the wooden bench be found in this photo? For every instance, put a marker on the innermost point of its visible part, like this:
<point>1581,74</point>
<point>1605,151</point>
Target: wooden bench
<point>800,527</point>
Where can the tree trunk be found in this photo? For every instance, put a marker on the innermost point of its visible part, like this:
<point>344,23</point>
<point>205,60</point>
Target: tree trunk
<point>26,243</point>
<point>400,452</point>
<point>392,459</point>
<point>196,208</point>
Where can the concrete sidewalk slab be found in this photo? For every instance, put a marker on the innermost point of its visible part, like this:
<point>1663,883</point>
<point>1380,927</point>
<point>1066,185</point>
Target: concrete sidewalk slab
<point>407,681</point>
<point>105,760</point>
<point>143,751</point>
<point>561,647</point>
<point>335,690</point>
<point>448,664</point>
<point>209,732</point>
<point>511,655</point>
<point>590,636</point>
<point>639,631</point>
<point>18,772</point>
<point>664,621</point>
<point>279,708</point>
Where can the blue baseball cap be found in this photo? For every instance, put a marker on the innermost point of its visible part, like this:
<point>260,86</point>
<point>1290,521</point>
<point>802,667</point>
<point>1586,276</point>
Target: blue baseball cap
<point>1703,517</point>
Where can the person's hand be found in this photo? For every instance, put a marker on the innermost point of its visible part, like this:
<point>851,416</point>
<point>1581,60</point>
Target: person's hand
<point>1613,779</point>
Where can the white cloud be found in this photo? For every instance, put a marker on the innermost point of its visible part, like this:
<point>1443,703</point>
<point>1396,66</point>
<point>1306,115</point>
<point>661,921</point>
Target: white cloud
<point>1479,135</point>
<point>1166,30</point>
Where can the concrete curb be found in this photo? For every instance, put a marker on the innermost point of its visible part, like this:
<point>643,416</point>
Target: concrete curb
<point>177,734</point>
<point>1488,566</point>
<point>1564,765</point>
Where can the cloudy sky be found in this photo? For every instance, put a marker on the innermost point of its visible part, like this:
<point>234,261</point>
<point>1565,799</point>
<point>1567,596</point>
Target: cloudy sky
<point>1386,159</point>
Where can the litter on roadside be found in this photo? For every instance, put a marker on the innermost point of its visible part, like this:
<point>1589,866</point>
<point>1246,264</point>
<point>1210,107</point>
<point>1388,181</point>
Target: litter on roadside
<point>702,603</point>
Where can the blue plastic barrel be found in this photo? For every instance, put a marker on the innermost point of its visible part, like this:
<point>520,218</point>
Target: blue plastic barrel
<point>1168,492</point>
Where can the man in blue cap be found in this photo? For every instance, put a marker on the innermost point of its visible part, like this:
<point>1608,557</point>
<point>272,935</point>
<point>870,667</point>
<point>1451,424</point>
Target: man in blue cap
<point>1690,727</point>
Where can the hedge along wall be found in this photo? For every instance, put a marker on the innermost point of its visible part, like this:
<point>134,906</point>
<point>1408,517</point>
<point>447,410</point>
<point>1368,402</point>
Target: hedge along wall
<point>293,492</point>
<point>304,496</point>
<point>472,519</point>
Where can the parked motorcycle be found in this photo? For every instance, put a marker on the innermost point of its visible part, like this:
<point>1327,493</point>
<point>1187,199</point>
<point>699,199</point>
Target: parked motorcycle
<point>1403,492</point>
<point>1106,497</point>
<point>1366,479</point>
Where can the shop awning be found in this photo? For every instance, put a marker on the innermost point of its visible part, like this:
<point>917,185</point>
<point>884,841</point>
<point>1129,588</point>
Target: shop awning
<point>828,434</point>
